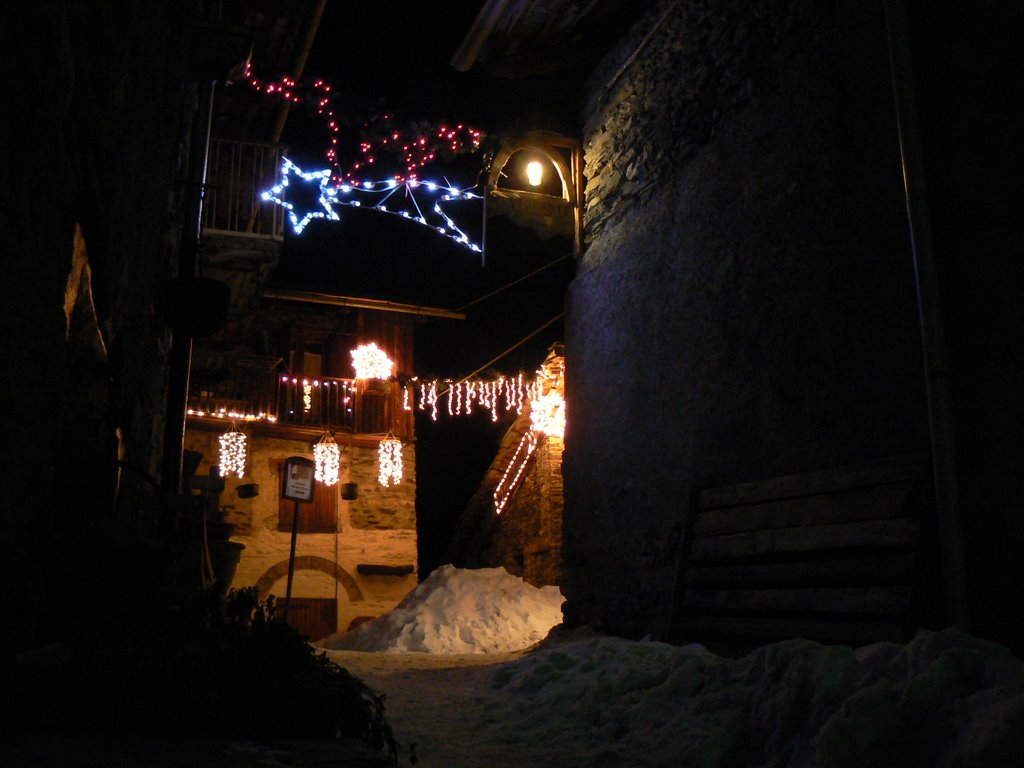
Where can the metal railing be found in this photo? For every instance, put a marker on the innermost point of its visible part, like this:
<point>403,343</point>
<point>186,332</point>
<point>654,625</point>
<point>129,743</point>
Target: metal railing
<point>237,172</point>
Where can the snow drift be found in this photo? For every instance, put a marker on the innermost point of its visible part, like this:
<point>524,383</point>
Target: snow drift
<point>944,699</point>
<point>456,611</point>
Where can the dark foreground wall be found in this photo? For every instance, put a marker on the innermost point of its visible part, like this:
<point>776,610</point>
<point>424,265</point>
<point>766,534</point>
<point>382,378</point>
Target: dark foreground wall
<point>97,105</point>
<point>745,307</point>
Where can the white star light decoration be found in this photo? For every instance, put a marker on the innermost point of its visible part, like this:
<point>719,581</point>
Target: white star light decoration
<point>375,196</point>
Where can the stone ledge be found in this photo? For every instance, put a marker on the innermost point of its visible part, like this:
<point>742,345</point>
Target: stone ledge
<point>371,569</point>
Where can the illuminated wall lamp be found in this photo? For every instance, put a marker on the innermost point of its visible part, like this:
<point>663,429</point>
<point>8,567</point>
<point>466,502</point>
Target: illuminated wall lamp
<point>534,173</point>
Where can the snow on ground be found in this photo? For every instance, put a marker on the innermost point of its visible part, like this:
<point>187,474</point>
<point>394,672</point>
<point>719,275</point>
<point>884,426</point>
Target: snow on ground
<point>944,699</point>
<point>457,611</point>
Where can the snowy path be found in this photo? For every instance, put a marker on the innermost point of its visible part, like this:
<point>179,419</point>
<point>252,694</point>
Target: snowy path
<point>944,699</point>
<point>446,706</point>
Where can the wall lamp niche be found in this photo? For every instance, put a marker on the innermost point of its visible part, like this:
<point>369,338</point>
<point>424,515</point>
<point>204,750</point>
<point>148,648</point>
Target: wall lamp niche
<point>535,180</point>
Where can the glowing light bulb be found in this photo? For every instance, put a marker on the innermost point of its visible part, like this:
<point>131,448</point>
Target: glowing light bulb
<point>534,173</point>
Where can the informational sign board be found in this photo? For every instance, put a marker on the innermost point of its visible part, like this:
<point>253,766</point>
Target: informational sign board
<point>298,479</point>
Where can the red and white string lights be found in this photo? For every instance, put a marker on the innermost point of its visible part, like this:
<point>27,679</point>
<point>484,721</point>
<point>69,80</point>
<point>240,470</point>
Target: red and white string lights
<point>417,145</point>
<point>547,419</point>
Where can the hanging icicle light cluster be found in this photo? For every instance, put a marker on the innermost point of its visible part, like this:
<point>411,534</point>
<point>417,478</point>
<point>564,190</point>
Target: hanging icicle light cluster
<point>371,362</point>
<point>327,456</point>
<point>389,461</point>
<point>232,453</point>
<point>459,397</point>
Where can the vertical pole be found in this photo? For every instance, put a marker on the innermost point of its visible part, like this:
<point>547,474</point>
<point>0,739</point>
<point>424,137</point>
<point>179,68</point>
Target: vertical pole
<point>180,356</point>
<point>483,233</point>
<point>291,563</point>
<point>933,345</point>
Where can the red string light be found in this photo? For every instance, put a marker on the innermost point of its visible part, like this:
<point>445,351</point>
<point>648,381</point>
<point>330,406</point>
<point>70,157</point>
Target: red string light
<point>420,145</point>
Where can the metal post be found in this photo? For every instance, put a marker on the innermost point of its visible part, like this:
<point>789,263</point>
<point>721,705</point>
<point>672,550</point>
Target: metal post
<point>933,346</point>
<point>291,563</point>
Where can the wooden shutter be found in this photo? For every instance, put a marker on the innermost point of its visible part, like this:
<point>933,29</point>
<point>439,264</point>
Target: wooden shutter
<point>319,517</point>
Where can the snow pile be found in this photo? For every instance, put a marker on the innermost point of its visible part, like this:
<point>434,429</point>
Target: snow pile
<point>457,611</point>
<point>944,699</point>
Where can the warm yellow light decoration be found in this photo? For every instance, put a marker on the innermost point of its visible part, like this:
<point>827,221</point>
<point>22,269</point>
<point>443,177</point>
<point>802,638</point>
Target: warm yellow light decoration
<point>307,396</point>
<point>389,461</point>
<point>224,413</point>
<point>547,413</point>
<point>327,456</point>
<point>371,362</point>
<point>534,173</point>
<point>232,453</point>
<point>513,473</point>
<point>491,395</point>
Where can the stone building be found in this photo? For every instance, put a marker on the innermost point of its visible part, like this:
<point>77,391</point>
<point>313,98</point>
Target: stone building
<point>356,547</point>
<point>514,520</point>
<point>749,297</point>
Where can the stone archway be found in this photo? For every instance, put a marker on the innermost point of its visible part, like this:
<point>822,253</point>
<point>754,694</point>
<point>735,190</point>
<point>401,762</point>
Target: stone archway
<point>310,563</point>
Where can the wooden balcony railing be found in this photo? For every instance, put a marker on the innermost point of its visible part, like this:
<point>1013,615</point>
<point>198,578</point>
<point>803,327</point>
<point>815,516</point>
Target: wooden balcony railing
<point>326,402</point>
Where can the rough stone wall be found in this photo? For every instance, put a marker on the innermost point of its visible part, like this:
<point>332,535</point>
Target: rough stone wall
<point>745,305</point>
<point>526,537</point>
<point>378,528</point>
<point>532,522</point>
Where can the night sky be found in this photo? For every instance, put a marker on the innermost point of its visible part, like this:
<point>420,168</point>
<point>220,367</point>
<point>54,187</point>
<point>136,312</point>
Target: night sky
<point>379,60</point>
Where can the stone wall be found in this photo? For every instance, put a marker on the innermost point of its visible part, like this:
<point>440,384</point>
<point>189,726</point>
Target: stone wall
<point>378,528</point>
<point>745,306</point>
<point>525,538</point>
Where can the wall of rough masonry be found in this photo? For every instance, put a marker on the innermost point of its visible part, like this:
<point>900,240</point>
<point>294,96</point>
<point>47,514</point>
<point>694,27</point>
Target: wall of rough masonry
<point>525,538</point>
<point>745,304</point>
<point>377,528</point>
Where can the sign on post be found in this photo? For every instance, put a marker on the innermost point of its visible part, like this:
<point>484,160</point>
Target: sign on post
<point>298,479</point>
<point>298,488</point>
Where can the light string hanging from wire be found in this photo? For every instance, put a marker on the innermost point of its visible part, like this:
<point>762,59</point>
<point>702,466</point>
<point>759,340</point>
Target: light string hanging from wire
<point>232,454</point>
<point>504,393</point>
<point>418,144</point>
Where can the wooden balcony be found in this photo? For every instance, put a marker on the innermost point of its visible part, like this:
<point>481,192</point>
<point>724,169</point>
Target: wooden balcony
<point>282,403</point>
